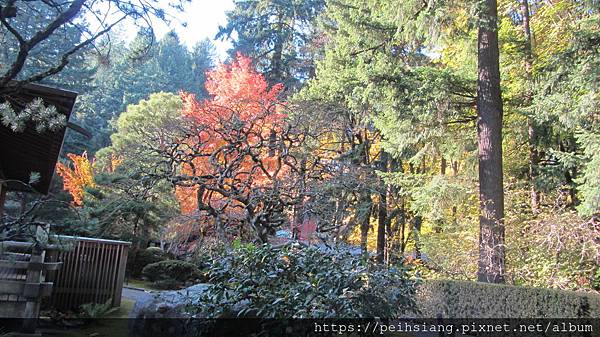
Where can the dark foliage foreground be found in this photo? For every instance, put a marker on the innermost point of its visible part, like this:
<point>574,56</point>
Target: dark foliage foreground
<point>294,281</point>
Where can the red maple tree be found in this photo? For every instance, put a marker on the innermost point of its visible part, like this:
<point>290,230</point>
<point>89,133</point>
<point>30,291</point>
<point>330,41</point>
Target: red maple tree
<point>234,164</point>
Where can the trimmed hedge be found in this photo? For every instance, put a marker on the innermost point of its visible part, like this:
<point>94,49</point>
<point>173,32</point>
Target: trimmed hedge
<point>144,257</point>
<point>464,299</point>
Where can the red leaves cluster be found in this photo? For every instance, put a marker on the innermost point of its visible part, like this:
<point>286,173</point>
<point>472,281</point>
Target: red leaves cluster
<point>231,147</point>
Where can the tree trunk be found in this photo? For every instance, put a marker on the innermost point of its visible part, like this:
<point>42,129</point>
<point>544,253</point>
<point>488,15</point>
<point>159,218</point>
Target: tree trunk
<point>418,220</point>
<point>534,157</point>
<point>389,234</point>
<point>402,218</point>
<point>145,234</point>
<point>570,176</point>
<point>299,207</point>
<point>221,230</point>
<point>439,223</point>
<point>382,213</point>
<point>534,160</point>
<point>489,136</point>
<point>276,71</point>
<point>443,166</point>
<point>367,200</point>
<point>365,222</point>
<point>454,208</point>
<point>136,238</point>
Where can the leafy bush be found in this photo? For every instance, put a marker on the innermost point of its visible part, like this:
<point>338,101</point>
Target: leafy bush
<point>205,255</point>
<point>167,284</point>
<point>596,280</point>
<point>165,272</point>
<point>96,310</point>
<point>145,257</point>
<point>463,299</point>
<point>301,282</point>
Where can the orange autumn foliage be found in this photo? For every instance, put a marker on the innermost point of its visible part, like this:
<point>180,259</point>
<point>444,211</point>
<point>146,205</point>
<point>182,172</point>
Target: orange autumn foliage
<point>77,178</point>
<point>115,161</point>
<point>233,126</point>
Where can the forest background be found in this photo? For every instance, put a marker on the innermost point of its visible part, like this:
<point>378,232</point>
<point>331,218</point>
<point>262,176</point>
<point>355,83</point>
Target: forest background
<point>360,117</point>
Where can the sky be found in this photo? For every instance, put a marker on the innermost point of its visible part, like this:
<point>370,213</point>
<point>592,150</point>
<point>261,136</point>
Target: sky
<point>203,19</point>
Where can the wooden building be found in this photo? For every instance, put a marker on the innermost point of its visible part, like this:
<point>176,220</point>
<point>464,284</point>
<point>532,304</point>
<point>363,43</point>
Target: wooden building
<point>22,153</point>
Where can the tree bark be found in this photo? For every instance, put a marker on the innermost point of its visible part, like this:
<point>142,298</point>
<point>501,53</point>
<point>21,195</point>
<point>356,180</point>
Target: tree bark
<point>299,207</point>
<point>276,71</point>
<point>443,166</point>
<point>402,218</point>
<point>418,221</point>
<point>382,214</point>
<point>439,223</point>
<point>454,208</point>
<point>489,135</point>
<point>365,223</point>
<point>534,157</point>
<point>570,174</point>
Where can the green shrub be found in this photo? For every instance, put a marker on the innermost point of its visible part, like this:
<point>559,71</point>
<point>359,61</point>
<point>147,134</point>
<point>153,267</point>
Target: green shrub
<point>596,280</point>
<point>175,270</point>
<point>156,250</point>
<point>97,310</point>
<point>145,257</point>
<point>301,282</point>
<point>463,299</point>
<point>167,284</point>
<point>204,257</point>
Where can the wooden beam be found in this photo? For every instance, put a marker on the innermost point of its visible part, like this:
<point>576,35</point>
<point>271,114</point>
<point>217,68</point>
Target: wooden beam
<point>18,246</point>
<point>26,265</point>
<point>3,191</point>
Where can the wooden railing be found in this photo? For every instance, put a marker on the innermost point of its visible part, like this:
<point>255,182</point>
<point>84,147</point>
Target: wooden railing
<point>70,272</point>
<point>93,271</point>
<point>22,284</point>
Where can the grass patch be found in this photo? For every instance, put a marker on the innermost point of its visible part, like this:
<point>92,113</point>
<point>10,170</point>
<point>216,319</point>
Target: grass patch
<point>124,309</point>
<point>146,285</point>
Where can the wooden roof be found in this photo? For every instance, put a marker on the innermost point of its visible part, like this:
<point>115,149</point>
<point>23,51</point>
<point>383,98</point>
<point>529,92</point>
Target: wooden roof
<point>22,153</point>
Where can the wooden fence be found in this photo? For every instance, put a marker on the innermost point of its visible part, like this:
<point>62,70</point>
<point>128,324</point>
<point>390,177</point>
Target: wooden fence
<point>22,284</point>
<point>93,271</point>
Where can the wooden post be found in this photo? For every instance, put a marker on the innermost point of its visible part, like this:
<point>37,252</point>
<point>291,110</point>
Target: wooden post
<point>24,295</point>
<point>3,190</point>
<point>32,291</point>
<point>51,256</point>
<point>120,276</point>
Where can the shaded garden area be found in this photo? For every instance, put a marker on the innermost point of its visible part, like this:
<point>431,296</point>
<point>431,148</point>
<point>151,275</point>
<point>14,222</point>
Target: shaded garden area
<point>342,159</point>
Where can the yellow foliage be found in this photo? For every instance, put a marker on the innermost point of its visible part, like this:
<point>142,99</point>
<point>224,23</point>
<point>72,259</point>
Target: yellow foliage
<point>115,161</point>
<point>77,178</point>
<point>354,237</point>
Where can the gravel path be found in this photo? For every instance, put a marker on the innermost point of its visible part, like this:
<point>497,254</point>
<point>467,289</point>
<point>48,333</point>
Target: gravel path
<point>136,294</point>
